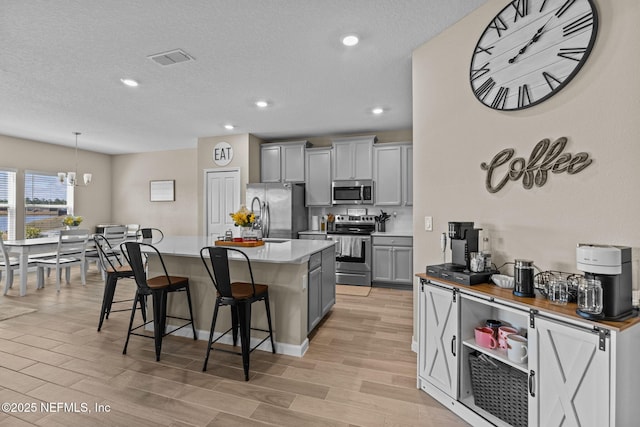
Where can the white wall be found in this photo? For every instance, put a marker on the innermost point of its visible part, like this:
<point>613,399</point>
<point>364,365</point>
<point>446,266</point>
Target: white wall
<point>597,111</point>
<point>92,202</point>
<point>130,199</point>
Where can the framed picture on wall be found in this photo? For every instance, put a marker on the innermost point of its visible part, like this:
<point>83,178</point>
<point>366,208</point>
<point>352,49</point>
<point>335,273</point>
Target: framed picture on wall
<point>162,191</point>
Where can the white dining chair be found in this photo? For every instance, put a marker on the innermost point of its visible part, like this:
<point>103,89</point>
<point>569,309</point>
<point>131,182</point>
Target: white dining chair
<point>7,266</point>
<point>115,235</point>
<point>132,230</point>
<point>72,246</point>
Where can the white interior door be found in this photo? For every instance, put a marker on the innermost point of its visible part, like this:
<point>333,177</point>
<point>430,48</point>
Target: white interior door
<point>223,198</point>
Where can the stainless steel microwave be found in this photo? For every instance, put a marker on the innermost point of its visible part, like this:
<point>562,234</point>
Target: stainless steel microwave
<point>352,192</point>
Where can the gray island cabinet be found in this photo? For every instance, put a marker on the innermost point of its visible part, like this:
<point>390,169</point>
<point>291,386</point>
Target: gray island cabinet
<point>578,372</point>
<point>283,265</point>
<point>322,285</point>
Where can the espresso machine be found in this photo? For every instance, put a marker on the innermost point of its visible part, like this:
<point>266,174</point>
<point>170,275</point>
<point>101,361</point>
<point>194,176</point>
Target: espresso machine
<point>464,241</point>
<point>606,293</point>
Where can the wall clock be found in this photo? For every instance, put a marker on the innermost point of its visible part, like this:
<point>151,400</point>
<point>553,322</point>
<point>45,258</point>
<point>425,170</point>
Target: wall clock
<point>531,50</point>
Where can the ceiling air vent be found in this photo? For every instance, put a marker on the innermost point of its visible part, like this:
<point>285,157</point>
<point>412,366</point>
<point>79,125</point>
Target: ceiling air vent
<point>171,57</point>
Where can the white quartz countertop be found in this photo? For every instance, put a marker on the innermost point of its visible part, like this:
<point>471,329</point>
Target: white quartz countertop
<point>284,251</point>
<point>312,232</point>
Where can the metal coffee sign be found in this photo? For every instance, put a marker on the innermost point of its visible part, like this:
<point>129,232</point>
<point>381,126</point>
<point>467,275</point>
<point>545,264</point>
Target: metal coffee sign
<point>545,157</point>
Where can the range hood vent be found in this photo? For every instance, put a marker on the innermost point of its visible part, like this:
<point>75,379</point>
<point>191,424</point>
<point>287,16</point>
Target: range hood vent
<point>171,57</point>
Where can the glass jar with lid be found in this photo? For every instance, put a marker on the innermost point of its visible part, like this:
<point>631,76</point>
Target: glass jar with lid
<point>590,296</point>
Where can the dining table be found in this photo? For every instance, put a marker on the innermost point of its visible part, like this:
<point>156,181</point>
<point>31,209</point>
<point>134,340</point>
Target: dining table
<point>25,247</point>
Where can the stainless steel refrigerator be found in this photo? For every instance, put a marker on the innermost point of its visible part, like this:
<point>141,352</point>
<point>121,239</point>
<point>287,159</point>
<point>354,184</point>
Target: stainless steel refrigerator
<point>279,208</point>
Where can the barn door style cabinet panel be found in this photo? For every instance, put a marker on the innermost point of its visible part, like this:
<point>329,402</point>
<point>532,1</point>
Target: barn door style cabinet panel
<point>578,372</point>
<point>438,346</point>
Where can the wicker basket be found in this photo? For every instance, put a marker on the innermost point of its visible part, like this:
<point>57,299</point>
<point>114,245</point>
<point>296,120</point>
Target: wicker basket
<point>499,389</point>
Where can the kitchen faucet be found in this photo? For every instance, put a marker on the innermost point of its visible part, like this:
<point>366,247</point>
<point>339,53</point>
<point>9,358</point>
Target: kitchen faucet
<point>257,223</point>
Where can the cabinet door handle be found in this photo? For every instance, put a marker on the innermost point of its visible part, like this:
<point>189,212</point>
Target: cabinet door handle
<point>531,383</point>
<point>453,346</point>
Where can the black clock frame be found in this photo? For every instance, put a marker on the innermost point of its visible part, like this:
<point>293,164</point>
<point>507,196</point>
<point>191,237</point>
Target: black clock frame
<point>589,49</point>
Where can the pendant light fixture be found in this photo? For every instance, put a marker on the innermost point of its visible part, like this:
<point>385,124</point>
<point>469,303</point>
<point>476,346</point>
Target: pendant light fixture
<point>70,178</point>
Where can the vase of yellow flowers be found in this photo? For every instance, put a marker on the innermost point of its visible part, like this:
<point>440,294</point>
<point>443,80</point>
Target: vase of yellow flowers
<point>72,222</point>
<point>243,219</point>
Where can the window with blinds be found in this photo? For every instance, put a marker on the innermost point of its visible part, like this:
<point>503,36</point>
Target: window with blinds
<point>46,203</point>
<point>7,204</point>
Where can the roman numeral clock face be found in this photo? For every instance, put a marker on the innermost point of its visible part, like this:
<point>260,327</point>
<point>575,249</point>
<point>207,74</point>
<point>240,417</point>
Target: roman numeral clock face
<point>531,50</point>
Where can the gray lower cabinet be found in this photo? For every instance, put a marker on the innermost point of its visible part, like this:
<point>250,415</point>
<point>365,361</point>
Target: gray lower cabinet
<point>321,286</point>
<point>315,288</point>
<point>392,261</point>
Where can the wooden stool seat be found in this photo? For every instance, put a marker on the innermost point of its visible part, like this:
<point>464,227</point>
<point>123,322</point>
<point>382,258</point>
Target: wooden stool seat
<point>244,290</point>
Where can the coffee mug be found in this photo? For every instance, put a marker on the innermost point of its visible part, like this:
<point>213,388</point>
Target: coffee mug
<point>484,337</point>
<point>503,332</point>
<point>517,348</point>
<point>493,324</point>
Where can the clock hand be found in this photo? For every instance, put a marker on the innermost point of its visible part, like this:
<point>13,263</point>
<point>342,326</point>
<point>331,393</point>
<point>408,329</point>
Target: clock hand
<point>534,39</point>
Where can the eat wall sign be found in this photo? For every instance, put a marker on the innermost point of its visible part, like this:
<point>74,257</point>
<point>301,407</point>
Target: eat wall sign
<point>545,157</point>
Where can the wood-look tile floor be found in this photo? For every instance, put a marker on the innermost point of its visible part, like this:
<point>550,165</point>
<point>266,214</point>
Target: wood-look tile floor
<point>57,370</point>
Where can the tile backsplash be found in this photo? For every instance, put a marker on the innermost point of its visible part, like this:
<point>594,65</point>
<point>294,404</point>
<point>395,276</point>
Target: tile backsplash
<point>401,216</point>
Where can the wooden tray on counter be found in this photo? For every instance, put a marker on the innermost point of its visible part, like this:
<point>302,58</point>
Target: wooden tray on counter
<point>246,244</point>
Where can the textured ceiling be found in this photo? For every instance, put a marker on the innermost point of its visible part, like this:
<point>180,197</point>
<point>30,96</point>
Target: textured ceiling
<point>61,63</point>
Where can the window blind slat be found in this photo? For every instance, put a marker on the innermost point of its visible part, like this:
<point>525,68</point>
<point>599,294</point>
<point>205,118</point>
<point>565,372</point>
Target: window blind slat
<point>46,204</point>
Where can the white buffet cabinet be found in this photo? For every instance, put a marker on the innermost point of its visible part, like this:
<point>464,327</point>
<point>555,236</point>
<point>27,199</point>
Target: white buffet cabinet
<point>579,373</point>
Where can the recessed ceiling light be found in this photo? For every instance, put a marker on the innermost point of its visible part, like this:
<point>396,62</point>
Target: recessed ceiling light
<point>262,104</point>
<point>129,82</point>
<point>229,127</point>
<point>377,110</point>
<point>350,40</point>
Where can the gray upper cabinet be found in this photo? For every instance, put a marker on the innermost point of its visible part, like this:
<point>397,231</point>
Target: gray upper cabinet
<point>353,157</point>
<point>282,161</point>
<point>317,171</point>
<point>393,174</point>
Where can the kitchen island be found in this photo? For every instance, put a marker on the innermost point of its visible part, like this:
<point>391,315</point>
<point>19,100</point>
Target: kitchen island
<point>280,263</point>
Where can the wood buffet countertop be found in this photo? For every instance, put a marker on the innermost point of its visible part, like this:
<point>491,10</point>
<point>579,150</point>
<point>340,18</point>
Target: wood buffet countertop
<point>539,303</point>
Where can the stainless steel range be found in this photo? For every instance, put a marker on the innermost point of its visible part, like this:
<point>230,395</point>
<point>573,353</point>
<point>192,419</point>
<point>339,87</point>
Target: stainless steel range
<point>353,248</point>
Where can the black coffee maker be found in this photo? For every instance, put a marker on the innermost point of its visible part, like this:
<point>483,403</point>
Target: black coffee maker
<point>607,271</point>
<point>464,240</point>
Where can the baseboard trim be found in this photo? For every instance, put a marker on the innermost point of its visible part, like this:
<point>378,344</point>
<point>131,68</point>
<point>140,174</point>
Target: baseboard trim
<point>281,348</point>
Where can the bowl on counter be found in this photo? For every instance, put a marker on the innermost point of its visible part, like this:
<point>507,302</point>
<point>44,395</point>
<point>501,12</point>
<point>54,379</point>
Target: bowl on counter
<point>502,280</point>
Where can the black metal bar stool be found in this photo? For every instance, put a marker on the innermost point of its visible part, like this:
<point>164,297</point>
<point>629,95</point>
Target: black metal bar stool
<point>114,269</point>
<point>238,296</point>
<point>158,287</point>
